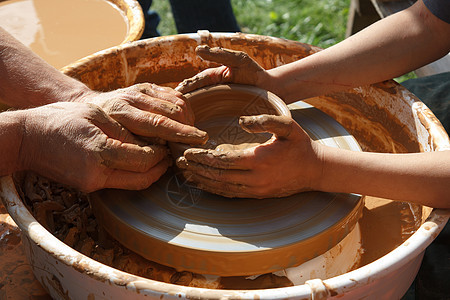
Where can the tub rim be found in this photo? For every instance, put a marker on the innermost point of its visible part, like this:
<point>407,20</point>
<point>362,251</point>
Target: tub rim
<point>134,17</point>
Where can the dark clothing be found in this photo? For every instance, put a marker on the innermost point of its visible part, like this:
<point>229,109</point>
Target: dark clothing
<point>151,19</point>
<point>439,8</point>
<point>432,280</point>
<point>434,91</point>
<point>212,15</point>
<point>192,15</point>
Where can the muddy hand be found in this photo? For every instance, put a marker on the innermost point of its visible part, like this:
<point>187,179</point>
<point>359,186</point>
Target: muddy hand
<point>284,165</point>
<point>238,67</point>
<point>150,110</point>
<point>80,145</point>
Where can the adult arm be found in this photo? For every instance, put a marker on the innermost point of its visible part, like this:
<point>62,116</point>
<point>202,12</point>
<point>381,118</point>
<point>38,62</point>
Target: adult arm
<point>67,137</point>
<point>388,48</point>
<point>145,109</point>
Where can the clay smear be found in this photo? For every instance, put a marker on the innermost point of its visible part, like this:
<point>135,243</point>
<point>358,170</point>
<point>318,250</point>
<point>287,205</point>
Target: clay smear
<point>225,134</point>
<point>63,31</point>
<point>16,276</point>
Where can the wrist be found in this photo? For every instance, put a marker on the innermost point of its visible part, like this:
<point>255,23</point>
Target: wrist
<point>11,137</point>
<point>318,167</point>
<point>267,80</point>
<point>80,93</point>
<point>32,142</point>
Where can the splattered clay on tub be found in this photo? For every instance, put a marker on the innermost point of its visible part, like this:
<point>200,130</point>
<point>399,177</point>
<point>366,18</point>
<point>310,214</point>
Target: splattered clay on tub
<point>17,280</point>
<point>384,225</point>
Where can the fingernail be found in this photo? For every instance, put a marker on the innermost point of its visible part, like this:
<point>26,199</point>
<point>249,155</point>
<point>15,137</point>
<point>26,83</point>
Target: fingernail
<point>199,136</point>
<point>195,151</point>
<point>248,122</point>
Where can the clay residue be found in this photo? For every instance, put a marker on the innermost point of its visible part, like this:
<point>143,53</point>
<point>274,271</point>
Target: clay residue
<point>386,224</point>
<point>75,225</point>
<point>374,129</point>
<point>267,281</point>
<point>16,276</point>
<point>225,134</point>
<point>218,109</point>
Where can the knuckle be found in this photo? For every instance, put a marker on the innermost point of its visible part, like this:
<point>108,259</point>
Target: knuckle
<point>115,106</point>
<point>158,120</point>
<point>144,87</point>
<point>244,57</point>
<point>94,110</point>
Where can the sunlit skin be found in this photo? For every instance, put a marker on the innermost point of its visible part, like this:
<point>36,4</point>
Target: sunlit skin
<point>391,47</point>
<point>74,135</point>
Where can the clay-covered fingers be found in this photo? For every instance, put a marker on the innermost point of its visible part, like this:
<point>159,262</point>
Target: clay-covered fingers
<point>119,103</point>
<point>122,153</point>
<point>131,157</point>
<point>207,77</point>
<point>150,111</point>
<point>148,124</point>
<point>215,173</point>
<point>238,67</point>
<point>227,57</point>
<point>280,126</point>
<point>120,179</point>
<point>226,174</point>
<point>109,126</point>
<point>237,160</point>
<point>161,100</point>
<point>226,189</point>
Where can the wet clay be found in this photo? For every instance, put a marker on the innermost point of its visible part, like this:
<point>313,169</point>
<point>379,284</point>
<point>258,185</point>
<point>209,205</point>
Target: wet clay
<point>386,224</point>
<point>217,110</point>
<point>225,134</point>
<point>63,31</point>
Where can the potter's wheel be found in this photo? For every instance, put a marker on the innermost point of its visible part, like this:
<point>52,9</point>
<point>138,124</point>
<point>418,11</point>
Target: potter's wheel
<point>177,225</point>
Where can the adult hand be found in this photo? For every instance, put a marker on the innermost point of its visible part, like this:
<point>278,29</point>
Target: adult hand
<point>80,145</point>
<point>286,164</point>
<point>150,110</point>
<point>237,67</point>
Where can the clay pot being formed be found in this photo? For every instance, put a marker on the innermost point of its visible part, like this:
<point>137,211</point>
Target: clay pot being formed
<point>217,110</point>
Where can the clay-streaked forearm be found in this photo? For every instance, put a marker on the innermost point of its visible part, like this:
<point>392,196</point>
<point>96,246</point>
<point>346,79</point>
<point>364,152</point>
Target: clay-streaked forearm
<point>26,80</point>
<point>389,48</point>
<point>421,178</point>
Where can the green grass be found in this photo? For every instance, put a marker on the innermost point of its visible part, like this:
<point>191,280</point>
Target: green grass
<point>316,22</point>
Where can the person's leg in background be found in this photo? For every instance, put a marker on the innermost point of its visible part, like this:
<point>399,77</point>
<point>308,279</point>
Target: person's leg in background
<point>212,15</point>
<point>151,18</point>
<point>432,281</point>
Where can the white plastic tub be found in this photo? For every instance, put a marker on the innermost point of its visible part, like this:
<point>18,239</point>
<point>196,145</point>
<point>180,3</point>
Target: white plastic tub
<point>407,126</point>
